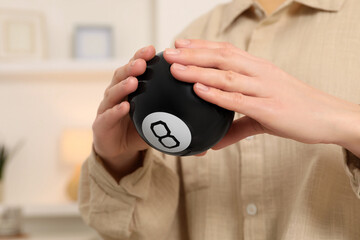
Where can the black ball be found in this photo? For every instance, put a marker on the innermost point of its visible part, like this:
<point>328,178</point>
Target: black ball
<point>170,117</point>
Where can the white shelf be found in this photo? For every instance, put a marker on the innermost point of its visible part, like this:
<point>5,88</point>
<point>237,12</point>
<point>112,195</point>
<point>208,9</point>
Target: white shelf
<point>59,70</point>
<point>45,211</point>
<point>65,210</point>
<point>57,238</point>
<point>53,222</point>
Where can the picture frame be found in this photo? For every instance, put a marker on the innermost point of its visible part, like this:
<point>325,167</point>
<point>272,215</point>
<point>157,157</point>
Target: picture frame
<point>93,42</point>
<point>22,35</point>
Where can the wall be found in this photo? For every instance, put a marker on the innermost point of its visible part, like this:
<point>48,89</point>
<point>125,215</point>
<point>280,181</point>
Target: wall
<point>62,16</point>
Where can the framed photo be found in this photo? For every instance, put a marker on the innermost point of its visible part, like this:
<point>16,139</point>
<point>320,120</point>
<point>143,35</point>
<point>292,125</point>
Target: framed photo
<point>93,42</point>
<point>21,35</point>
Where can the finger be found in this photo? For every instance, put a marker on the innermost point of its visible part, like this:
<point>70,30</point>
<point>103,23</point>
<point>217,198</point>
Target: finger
<point>224,59</point>
<point>225,80</point>
<point>254,107</point>
<point>145,53</point>
<point>135,67</point>
<point>240,129</point>
<point>200,43</point>
<point>110,118</point>
<point>201,154</point>
<point>117,93</point>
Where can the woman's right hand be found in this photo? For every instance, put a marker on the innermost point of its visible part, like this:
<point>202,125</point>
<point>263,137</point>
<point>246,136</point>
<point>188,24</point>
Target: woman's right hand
<point>116,140</point>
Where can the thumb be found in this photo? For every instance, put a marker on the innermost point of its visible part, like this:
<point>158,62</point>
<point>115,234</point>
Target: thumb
<point>240,129</point>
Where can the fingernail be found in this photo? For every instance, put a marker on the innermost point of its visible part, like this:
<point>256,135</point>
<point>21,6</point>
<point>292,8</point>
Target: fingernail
<point>125,81</point>
<point>171,51</point>
<point>143,49</point>
<point>201,87</point>
<point>119,106</point>
<point>133,63</point>
<point>178,66</point>
<point>183,42</point>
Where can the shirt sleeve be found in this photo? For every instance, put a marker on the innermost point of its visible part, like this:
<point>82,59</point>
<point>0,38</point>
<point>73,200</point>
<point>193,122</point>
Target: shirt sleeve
<point>141,206</point>
<point>352,167</point>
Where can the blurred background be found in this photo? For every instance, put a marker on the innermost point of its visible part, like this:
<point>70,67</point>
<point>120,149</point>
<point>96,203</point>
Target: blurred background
<point>56,59</point>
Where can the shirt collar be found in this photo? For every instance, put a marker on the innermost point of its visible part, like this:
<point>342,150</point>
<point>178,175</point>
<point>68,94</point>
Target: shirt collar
<point>233,10</point>
<point>237,7</point>
<point>325,5</point>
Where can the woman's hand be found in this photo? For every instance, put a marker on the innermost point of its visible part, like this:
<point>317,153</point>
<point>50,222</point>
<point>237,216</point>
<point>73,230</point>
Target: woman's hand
<point>116,140</point>
<point>272,101</point>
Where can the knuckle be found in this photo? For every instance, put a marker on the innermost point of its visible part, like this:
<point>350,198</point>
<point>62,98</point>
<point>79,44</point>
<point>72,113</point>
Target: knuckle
<point>229,78</point>
<point>100,108</point>
<point>98,132</point>
<point>224,56</point>
<point>118,72</point>
<point>103,117</point>
<point>97,125</point>
<point>238,99</point>
<point>195,70</point>
<point>107,92</point>
<point>94,126</point>
<point>225,53</point>
<point>136,55</point>
<point>122,72</point>
<point>268,67</point>
<point>227,45</point>
<point>99,111</point>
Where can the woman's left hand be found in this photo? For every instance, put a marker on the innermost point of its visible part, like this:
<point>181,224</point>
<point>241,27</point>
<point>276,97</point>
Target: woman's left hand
<point>272,101</point>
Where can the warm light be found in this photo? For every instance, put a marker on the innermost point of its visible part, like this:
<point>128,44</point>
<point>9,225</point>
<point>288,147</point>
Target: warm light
<point>75,145</point>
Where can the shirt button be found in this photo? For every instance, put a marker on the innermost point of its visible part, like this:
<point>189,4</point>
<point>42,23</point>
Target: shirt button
<point>251,209</point>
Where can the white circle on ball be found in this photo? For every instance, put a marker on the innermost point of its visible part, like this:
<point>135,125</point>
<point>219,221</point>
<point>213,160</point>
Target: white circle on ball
<point>166,132</point>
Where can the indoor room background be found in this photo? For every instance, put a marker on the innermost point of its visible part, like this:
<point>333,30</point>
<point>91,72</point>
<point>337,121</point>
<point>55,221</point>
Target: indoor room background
<point>56,59</point>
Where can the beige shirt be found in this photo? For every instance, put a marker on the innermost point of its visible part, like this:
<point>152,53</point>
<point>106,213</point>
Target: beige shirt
<point>263,187</point>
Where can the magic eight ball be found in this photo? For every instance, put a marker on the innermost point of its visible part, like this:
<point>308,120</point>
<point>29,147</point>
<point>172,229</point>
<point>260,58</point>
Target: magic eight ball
<point>170,117</point>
